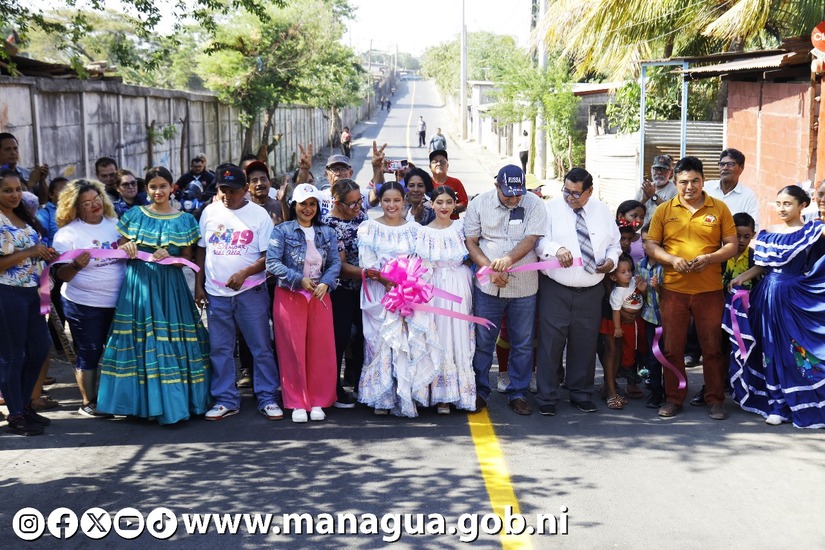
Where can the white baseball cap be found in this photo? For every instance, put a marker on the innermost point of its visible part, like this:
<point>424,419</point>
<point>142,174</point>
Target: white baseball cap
<point>304,191</point>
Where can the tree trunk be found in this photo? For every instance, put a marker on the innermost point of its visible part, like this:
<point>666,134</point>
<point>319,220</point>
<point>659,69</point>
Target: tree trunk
<point>266,131</point>
<point>248,136</point>
<point>335,128</point>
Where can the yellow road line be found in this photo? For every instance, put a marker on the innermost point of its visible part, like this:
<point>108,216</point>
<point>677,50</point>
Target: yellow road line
<point>496,476</point>
<point>409,121</point>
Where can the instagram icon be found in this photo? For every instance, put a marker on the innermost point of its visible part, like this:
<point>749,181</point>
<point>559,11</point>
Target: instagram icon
<point>28,524</point>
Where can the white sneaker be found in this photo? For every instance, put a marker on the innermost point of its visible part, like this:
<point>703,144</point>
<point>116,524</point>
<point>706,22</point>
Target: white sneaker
<point>503,382</point>
<point>219,411</point>
<point>774,420</point>
<point>317,414</point>
<point>534,388</point>
<point>299,416</point>
<point>272,412</point>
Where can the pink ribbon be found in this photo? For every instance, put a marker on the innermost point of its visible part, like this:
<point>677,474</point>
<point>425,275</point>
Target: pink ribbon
<point>657,352</point>
<point>246,284</point>
<point>99,253</point>
<point>484,272</point>
<point>412,293</point>
<point>744,296</point>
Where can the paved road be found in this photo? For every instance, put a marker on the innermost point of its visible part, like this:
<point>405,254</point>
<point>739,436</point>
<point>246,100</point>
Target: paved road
<point>619,479</point>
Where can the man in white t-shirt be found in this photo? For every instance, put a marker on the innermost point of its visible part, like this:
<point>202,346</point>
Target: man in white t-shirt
<point>232,284</point>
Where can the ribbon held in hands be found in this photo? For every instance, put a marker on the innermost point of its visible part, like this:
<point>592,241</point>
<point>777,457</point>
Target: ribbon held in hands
<point>100,253</point>
<point>412,293</point>
<point>657,352</point>
<point>483,273</point>
<point>743,295</point>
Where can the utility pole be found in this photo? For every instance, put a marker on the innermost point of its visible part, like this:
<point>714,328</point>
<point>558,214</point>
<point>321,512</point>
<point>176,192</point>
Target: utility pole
<point>540,161</point>
<point>369,81</point>
<point>463,88</point>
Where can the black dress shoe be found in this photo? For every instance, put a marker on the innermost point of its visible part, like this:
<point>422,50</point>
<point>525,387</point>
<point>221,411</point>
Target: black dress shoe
<point>521,406</point>
<point>547,410</point>
<point>30,415</point>
<point>655,400</point>
<point>20,425</point>
<point>698,399</point>
<point>584,406</point>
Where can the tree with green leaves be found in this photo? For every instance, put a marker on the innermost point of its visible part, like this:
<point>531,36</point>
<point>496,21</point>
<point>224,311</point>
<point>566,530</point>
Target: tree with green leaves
<point>489,57</point>
<point>525,88</point>
<point>145,16</point>
<point>292,56</point>
<point>115,44</point>
<point>609,37</point>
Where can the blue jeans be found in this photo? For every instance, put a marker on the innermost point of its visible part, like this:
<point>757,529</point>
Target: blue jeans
<point>249,312</point>
<point>521,315</point>
<point>24,345</point>
<point>89,327</point>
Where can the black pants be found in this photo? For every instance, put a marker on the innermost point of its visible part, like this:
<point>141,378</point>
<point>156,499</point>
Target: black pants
<point>346,147</point>
<point>346,315</point>
<point>422,138</point>
<point>522,155</point>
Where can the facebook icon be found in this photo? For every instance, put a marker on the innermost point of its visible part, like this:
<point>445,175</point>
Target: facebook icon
<point>62,523</point>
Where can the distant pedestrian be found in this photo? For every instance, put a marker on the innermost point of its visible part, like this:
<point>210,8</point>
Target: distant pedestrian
<point>346,142</point>
<point>524,150</point>
<point>438,141</point>
<point>389,104</point>
<point>422,132</point>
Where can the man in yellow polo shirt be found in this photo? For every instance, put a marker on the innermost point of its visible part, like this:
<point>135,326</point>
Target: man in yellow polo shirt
<point>692,236</point>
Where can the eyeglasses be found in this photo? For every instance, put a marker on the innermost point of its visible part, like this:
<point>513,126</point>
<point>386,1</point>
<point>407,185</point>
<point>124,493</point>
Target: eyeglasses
<point>128,184</point>
<point>352,205</point>
<point>728,164</point>
<point>338,169</point>
<point>438,163</point>
<point>567,193</point>
<point>88,204</point>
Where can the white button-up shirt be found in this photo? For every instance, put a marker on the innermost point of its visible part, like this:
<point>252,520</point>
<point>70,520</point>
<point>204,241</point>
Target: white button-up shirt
<point>561,233</point>
<point>740,199</point>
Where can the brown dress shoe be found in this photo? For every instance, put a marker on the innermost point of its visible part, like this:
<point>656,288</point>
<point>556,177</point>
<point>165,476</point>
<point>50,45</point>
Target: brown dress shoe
<point>669,409</point>
<point>718,411</point>
<point>520,406</point>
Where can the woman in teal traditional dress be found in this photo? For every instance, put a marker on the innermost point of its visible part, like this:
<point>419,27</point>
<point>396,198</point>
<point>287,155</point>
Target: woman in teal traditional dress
<point>156,360</point>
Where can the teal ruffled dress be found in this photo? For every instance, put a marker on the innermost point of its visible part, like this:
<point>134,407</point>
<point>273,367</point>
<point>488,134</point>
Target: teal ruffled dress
<point>156,362</point>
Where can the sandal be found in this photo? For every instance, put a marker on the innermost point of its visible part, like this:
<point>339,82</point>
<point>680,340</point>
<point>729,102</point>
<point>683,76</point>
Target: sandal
<point>49,381</point>
<point>634,391</point>
<point>615,402</point>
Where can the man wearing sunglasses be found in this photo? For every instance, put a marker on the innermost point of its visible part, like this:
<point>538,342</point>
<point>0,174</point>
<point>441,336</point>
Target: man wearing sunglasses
<point>570,299</point>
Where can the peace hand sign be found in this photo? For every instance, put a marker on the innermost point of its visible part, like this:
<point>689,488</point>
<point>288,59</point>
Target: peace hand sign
<point>378,154</point>
<point>305,160</point>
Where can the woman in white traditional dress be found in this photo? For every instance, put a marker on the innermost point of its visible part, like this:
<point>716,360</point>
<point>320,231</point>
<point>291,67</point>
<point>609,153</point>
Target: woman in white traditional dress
<point>440,245</point>
<point>399,361</point>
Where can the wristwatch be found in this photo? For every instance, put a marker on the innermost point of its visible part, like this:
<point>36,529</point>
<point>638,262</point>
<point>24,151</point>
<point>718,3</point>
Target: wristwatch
<point>654,198</point>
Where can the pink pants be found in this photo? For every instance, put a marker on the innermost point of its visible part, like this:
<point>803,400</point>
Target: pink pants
<point>306,349</point>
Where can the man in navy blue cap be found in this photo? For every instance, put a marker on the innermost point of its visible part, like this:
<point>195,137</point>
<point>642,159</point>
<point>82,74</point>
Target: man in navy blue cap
<point>504,237</point>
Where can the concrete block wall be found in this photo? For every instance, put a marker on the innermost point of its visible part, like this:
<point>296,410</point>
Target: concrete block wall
<point>68,124</point>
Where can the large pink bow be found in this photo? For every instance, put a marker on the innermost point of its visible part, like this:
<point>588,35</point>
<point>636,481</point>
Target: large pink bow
<point>411,292</point>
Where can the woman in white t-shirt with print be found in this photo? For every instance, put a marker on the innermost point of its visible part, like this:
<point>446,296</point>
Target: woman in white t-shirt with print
<point>87,220</point>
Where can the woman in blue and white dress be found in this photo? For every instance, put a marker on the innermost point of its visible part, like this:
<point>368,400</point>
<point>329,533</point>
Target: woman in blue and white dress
<point>783,378</point>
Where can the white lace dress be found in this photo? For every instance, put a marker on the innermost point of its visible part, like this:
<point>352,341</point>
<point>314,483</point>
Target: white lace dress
<point>443,252</point>
<point>399,362</point>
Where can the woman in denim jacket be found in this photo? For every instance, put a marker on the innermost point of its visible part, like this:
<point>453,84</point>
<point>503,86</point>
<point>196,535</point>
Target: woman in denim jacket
<point>303,256</point>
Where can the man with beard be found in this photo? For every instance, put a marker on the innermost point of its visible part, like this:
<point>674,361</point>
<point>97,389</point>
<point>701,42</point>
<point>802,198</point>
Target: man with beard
<point>660,188</point>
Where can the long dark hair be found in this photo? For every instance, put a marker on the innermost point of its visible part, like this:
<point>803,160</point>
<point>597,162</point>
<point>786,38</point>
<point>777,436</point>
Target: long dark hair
<point>159,171</point>
<point>389,186</point>
<point>798,193</point>
<point>428,181</point>
<point>20,210</point>
<point>316,219</point>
